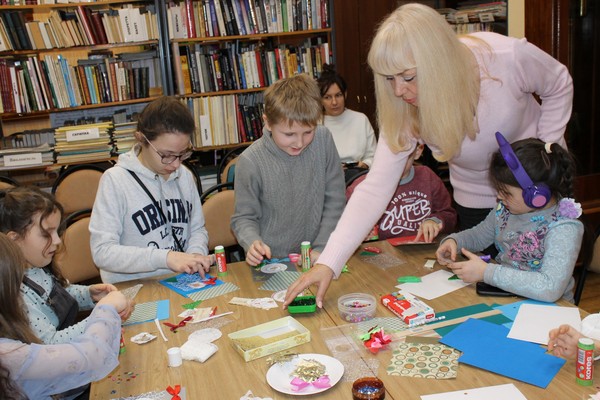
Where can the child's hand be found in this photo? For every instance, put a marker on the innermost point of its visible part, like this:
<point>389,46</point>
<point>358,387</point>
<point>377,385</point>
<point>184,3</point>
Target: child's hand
<point>563,341</point>
<point>257,252</point>
<point>117,300</point>
<point>428,230</point>
<point>469,271</point>
<point>126,312</point>
<point>99,290</point>
<point>188,263</point>
<point>446,252</point>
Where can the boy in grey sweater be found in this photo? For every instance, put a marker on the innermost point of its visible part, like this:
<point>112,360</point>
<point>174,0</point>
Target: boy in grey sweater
<point>289,184</point>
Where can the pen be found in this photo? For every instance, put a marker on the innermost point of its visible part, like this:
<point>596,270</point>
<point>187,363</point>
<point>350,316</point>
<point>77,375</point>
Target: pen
<point>427,322</point>
<point>214,316</point>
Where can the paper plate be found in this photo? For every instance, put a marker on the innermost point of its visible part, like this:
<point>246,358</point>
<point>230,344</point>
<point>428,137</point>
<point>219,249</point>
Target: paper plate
<point>273,268</point>
<point>278,376</point>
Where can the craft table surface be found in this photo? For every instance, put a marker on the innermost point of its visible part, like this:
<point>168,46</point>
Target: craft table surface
<point>227,376</point>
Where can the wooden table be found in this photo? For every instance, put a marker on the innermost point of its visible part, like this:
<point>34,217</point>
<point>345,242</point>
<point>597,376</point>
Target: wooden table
<point>143,368</point>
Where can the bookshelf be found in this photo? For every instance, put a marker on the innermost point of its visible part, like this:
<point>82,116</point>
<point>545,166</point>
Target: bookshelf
<point>225,53</point>
<point>231,51</point>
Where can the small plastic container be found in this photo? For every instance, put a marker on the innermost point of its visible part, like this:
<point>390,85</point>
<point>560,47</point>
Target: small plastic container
<point>302,304</point>
<point>357,307</point>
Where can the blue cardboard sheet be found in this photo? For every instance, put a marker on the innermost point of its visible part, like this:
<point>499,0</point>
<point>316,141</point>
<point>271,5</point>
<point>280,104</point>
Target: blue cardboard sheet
<point>466,311</point>
<point>485,345</point>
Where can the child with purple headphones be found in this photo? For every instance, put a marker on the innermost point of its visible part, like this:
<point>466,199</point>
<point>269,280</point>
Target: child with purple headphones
<point>534,225</point>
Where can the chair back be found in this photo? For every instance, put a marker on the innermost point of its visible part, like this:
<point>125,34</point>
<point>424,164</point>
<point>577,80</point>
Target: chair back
<point>228,173</point>
<point>218,209</point>
<point>76,187</point>
<point>7,183</point>
<point>75,257</point>
<point>226,169</point>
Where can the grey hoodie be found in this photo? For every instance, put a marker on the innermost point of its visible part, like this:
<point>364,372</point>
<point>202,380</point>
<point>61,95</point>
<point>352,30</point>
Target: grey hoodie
<point>129,239</point>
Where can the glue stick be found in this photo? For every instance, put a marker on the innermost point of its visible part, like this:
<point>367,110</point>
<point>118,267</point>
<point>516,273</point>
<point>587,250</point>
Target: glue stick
<point>584,368</point>
<point>221,261</point>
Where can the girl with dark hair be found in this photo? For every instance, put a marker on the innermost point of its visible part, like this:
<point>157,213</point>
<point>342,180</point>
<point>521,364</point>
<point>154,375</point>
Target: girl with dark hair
<point>24,361</point>
<point>351,130</point>
<point>534,226</point>
<point>32,218</point>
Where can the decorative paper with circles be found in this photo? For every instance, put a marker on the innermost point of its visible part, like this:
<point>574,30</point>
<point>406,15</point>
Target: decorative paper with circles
<point>273,268</point>
<point>424,360</point>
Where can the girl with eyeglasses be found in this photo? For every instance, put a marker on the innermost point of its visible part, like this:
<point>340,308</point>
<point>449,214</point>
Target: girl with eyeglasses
<point>147,218</point>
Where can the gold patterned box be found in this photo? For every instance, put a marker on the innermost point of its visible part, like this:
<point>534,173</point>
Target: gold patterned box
<point>268,338</point>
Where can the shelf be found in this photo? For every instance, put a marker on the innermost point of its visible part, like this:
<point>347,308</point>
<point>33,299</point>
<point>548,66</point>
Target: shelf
<point>255,37</point>
<point>79,48</point>
<point>67,5</point>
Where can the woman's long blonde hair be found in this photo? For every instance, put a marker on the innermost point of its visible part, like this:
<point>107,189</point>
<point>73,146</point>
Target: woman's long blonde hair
<point>417,36</point>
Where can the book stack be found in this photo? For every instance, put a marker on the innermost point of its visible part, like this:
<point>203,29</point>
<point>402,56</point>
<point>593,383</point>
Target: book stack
<point>29,138</point>
<point>228,119</point>
<point>20,157</point>
<point>209,18</point>
<point>123,137</point>
<point>83,143</point>
<point>244,65</point>
<point>475,16</point>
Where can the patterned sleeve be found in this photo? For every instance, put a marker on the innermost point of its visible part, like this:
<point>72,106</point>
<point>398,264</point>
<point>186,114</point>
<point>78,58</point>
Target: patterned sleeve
<point>89,357</point>
<point>550,282</point>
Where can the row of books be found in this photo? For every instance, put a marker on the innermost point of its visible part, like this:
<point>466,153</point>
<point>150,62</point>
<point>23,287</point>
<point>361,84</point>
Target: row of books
<point>228,119</point>
<point>32,83</point>
<point>234,66</point>
<point>41,2</point>
<point>91,142</point>
<point>81,26</point>
<point>474,11</point>
<point>209,18</point>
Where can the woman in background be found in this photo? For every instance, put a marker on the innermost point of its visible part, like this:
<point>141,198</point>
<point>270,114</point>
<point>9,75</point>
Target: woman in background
<point>352,131</point>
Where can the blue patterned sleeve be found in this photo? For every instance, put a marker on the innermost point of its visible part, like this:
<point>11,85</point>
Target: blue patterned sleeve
<point>554,279</point>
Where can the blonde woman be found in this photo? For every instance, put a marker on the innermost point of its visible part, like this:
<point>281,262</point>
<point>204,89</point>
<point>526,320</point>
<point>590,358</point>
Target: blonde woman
<point>453,93</point>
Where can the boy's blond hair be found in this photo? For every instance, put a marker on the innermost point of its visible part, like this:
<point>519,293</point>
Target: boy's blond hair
<point>417,36</point>
<point>295,99</point>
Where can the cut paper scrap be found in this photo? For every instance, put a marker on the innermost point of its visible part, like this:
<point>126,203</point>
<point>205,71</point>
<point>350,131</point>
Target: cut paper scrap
<point>390,324</point>
<point>485,345</point>
<point>156,395</point>
<point>280,281</point>
<point>383,260</point>
<point>148,312</point>
<point>132,291</point>
<point>499,392</point>
<point>266,303</point>
<point>406,240</point>
<point>424,360</point>
<point>433,285</point>
<point>533,321</point>
<point>214,291</point>
<point>185,284</point>
<point>510,310</point>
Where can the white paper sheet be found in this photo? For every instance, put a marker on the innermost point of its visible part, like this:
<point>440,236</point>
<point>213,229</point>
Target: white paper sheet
<point>433,285</point>
<point>500,392</point>
<point>533,321</point>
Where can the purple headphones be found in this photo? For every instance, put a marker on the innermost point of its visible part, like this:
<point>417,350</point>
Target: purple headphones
<point>535,195</point>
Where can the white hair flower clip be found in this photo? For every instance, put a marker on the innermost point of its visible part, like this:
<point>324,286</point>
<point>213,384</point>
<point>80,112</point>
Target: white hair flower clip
<point>569,208</point>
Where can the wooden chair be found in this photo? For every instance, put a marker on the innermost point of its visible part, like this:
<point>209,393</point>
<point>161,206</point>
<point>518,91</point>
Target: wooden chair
<point>218,206</point>
<point>587,256</point>
<point>75,256</point>
<point>226,170</point>
<point>7,183</point>
<point>76,187</point>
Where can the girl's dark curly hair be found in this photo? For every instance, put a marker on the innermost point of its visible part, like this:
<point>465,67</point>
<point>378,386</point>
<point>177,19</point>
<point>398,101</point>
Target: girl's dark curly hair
<point>555,169</point>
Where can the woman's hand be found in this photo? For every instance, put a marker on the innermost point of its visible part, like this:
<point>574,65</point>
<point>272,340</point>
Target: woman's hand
<point>469,271</point>
<point>428,230</point>
<point>99,290</point>
<point>257,252</point>
<point>319,275</point>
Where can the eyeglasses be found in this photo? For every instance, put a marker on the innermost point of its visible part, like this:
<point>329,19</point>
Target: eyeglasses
<point>171,157</point>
